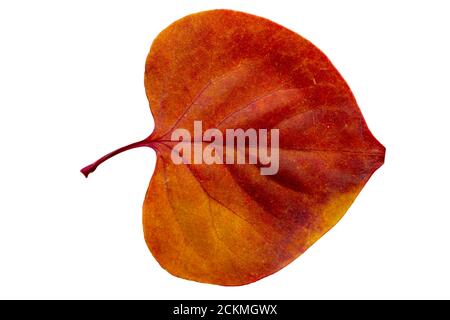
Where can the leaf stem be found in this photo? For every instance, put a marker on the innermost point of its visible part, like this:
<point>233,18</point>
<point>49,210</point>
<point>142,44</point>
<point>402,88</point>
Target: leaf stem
<point>91,168</point>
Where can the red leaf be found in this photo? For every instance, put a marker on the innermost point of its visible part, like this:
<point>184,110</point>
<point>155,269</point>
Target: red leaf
<point>226,223</point>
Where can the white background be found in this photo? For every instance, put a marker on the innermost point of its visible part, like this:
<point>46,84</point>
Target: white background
<point>71,89</point>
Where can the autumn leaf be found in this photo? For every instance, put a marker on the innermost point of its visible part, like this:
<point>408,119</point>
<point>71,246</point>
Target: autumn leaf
<point>228,224</point>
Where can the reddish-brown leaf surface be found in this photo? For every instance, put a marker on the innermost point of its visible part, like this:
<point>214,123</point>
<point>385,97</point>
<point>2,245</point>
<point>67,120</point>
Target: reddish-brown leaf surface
<point>228,224</point>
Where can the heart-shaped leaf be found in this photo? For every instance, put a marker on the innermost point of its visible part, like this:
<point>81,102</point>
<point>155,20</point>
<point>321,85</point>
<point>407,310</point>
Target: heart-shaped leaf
<point>229,224</point>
